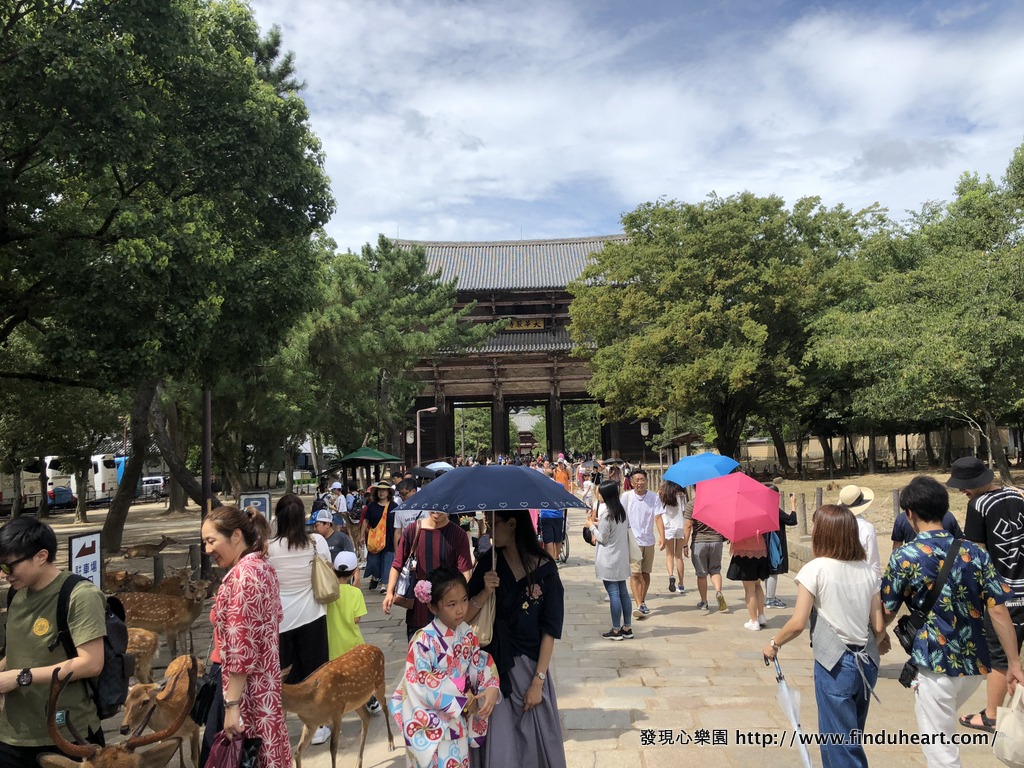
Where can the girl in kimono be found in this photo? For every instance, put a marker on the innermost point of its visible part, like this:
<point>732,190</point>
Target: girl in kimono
<point>450,686</point>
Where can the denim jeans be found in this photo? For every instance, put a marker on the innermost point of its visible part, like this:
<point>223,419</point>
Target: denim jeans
<point>842,708</point>
<point>378,565</point>
<point>621,605</point>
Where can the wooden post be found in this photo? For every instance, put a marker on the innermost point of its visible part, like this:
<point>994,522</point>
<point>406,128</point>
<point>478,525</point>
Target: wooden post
<point>158,569</point>
<point>895,503</point>
<point>818,498</point>
<point>194,559</point>
<point>801,514</point>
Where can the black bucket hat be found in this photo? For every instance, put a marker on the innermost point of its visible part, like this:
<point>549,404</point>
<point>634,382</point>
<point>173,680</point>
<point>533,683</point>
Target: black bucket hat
<point>969,472</point>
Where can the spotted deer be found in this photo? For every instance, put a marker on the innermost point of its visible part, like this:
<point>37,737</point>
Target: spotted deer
<point>174,585</point>
<point>143,645</point>
<point>340,686</point>
<point>148,550</point>
<point>121,755</point>
<point>167,701</point>
<point>126,581</point>
<point>170,615</point>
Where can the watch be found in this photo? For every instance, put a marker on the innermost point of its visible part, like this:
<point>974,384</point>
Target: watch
<point>773,644</point>
<point>542,676</point>
<point>25,678</point>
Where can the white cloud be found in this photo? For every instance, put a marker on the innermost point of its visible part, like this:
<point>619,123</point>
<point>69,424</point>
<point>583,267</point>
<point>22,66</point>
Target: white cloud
<point>480,120</point>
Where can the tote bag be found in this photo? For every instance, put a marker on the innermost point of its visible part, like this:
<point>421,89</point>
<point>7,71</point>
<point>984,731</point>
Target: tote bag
<point>325,582</point>
<point>483,624</point>
<point>1009,742</point>
<point>377,538</point>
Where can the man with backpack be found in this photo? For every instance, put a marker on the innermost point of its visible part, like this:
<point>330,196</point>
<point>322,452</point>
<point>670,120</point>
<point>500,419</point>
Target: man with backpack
<point>28,549</point>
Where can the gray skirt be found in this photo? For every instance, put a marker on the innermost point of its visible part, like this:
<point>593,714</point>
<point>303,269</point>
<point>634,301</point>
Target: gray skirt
<point>515,740</point>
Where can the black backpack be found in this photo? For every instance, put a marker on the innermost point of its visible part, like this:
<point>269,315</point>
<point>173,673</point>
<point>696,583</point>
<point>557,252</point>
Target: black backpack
<point>110,688</point>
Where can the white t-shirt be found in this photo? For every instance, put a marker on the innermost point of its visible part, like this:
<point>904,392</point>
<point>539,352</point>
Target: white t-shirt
<point>842,594</point>
<point>868,539</point>
<point>673,518</point>
<point>404,517</point>
<point>295,574</point>
<point>641,513</point>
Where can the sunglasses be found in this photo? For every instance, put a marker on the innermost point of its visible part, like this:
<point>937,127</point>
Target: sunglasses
<point>7,568</point>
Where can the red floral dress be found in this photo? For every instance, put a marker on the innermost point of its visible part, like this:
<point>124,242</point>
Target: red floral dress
<point>247,616</point>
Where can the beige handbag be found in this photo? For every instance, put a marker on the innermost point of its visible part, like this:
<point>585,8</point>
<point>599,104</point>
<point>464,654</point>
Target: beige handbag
<point>1009,741</point>
<point>483,624</point>
<point>325,582</point>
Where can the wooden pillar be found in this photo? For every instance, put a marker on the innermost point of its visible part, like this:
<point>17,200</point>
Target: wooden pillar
<point>444,426</point>
<point>499,422</point>
<point>556,425</point>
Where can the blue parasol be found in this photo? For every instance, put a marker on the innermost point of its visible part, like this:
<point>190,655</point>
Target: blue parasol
<point>691,470</point>
<point>492,487</point>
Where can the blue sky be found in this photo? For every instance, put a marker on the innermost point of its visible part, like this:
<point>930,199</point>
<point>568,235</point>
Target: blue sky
<point>463,120</point>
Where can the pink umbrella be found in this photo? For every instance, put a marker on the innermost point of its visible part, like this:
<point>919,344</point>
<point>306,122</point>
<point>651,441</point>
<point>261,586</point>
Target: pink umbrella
<point>737,506</point>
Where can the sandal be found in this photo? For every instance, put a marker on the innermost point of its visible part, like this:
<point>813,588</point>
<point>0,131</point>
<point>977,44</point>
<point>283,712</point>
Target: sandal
<point>987,723</point>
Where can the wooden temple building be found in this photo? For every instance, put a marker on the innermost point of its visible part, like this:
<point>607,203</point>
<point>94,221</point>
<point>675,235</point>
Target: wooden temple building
<point>529,363</point>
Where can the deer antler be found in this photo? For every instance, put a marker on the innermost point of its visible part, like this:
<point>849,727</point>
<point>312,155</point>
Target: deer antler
<point>137,741</point>
<point>73,750</point>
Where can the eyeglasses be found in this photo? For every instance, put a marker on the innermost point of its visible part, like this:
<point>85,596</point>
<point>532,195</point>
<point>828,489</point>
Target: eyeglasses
<point>8,568</point>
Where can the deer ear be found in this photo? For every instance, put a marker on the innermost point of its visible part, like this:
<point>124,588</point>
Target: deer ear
<point>159,755</point>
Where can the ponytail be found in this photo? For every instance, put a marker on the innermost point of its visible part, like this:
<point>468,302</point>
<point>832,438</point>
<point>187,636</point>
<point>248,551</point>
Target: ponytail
<point>253,525</point>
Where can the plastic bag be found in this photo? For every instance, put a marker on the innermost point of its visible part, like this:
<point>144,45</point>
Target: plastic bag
<point>241,752</point>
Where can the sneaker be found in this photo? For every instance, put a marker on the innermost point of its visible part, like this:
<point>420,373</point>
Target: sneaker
<point>671,583</point>
<point>645,610</point>
<point>626,634</point>
<point>774,602</point>
<point>612,634</point>
<point>722,605</point>
<point>373,583</point>
<point>681,589</point>
<point>762,620</point>
<point>383,590</point>
<point>702,605</point>
<point>638,614</point>
<point>373,706</point>
<point>323,733</point>
<point>753,626</point>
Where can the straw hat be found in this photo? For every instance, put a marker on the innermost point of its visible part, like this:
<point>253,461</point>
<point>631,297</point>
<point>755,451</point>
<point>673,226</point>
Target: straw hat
<point>855,498</point>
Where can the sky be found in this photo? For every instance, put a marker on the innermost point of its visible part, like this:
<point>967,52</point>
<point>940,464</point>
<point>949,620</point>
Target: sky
<point>479,120</point>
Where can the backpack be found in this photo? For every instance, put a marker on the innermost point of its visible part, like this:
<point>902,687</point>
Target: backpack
<point>110,688</point>
<point>774,549</point>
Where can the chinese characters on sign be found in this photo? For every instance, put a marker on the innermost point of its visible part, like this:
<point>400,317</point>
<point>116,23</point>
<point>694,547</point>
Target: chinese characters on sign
<point>526,324</point>
<point>84,555</point>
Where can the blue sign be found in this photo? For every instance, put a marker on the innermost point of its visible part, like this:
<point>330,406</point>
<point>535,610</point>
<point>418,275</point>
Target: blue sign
<point>261,501</point>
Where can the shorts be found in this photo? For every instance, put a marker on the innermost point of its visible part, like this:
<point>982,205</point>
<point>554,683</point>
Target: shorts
<point>997,657</point>
<point>706,557</point>
<point>646,562</point>
<point>748,569</point>
<point>673,533</point>
<point>551,529</point>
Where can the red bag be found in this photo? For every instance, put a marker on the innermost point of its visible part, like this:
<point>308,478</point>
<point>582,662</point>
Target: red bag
<point>240,752</point>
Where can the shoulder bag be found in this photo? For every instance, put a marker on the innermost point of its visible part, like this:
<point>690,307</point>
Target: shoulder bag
<point>377,538</point>
<point>483,624</point>
<point>908,626</point>
<point>404,597</point>
<point>325,581</point>
<point>206,688</point>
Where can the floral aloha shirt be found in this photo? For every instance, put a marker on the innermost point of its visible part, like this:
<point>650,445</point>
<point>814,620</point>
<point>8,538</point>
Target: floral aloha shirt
<point>952,640</point>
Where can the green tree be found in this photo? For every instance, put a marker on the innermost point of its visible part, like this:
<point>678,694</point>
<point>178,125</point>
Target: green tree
<point>704,309</point>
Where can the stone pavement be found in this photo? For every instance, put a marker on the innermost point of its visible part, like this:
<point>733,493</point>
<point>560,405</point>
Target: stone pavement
<point>684,672</point>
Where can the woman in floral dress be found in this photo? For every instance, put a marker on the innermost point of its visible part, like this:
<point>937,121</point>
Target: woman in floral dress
<point>524,729</point>
<point>246,617</point>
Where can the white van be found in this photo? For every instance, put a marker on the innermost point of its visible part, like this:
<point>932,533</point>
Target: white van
<point>153,487</point>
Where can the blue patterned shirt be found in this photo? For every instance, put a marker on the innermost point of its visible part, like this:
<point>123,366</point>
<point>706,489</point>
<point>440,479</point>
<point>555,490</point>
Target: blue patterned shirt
<point>952,640</point>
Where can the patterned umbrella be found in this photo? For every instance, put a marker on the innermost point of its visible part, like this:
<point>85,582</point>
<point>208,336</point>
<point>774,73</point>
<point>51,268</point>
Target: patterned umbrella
<point>497,487</point>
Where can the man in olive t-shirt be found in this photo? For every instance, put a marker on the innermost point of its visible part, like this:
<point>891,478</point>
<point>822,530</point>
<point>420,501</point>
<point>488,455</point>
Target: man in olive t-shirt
<point>28,548</point>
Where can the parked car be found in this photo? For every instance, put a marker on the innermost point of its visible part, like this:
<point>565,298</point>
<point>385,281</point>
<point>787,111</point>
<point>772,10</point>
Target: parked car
<point>153,487</point>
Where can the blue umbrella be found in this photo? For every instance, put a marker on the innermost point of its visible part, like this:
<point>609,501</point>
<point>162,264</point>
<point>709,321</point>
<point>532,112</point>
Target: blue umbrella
<point>690,470</point>
<point>493,487</point>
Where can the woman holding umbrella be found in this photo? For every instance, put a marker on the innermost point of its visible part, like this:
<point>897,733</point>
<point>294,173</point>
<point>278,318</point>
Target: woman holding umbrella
<point>843,588</point>
<point>524,728</point>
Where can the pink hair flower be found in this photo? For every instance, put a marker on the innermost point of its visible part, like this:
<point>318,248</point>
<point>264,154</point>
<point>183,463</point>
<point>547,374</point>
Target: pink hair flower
<point>422,591</point>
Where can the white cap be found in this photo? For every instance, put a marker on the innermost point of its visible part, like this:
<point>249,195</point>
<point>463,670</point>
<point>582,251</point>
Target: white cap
<point>346,561</point>
<point>336,486</point>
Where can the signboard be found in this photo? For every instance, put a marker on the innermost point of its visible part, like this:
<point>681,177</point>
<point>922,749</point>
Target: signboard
<point>525,324</point>
<point>84,556</point>
<point>260,501</point>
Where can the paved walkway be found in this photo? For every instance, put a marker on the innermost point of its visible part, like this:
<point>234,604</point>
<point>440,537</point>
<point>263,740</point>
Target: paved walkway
<point>685,672</point>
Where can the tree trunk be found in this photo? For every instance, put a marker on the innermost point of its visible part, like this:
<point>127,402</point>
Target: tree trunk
<point>894,450</point>
<point>854,460</point>
<point>933,460</point>
<point>780,447</point>
<point>828,460</point>
<point>113,526</point>
<point>872,453</point>
<point>177,500</point>
<point>174,462</point>
<point>17,505</point>
<point>289,468</point>
<point>800,454</point>
<point>996,447</point>
<point>729,426</point>
<point>44,498</point>
<point>81,481</point>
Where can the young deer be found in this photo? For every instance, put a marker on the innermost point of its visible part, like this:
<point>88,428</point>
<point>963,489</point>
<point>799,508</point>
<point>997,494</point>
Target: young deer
<point>163,613</point>
<point>174,585</point>
<point>167,702</point>
<point>340,686</point>
<point>126,581</point>
<point>143,645</point>
<point>121,755</point>
<point>148,550</point>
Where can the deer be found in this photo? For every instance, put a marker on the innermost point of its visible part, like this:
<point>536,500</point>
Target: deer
<point>164,613</point>
<point>143,645</point>
<point>163,703</point>
<point>174,585</point>
<point>148,550</point>
<point>121,755</point>
<point>126,581</point>
<point>340,686</point>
